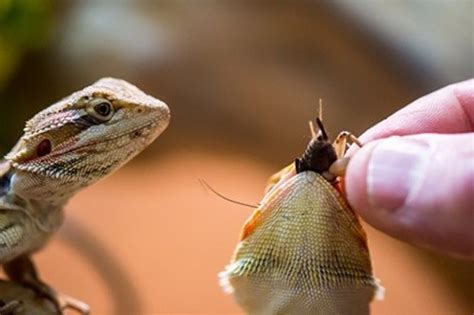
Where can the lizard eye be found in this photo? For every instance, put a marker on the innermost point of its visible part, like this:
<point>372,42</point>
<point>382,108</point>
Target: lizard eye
<point>100,109</point>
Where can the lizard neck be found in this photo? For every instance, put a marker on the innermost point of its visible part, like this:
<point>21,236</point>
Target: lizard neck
<point>43,191</point>
<point>36,196</point>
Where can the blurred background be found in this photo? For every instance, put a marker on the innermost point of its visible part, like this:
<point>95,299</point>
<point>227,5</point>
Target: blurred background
<point>242,79</point>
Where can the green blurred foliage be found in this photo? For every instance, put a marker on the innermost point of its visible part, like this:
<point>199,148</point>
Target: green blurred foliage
<point>24,26</point>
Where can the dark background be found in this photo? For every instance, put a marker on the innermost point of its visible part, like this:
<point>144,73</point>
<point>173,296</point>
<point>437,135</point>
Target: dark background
<point>242,79</point>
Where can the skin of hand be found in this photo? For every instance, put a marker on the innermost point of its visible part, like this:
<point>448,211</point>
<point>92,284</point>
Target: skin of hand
<point>414,177</point>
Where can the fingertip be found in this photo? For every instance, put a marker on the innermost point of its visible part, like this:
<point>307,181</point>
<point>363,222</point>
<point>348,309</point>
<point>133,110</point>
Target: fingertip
<point>447,110</point>
<point>377,180</point>
<point>415,189</point>
<point>356,179</point>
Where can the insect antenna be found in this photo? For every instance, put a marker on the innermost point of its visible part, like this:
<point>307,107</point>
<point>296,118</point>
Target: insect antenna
<point>320,112</point>
<point>324,135</point>
<point>205,185</point>
<point>321,132</point>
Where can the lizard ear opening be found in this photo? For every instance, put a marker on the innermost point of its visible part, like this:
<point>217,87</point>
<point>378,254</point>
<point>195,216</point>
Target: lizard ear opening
<point>43,148</point>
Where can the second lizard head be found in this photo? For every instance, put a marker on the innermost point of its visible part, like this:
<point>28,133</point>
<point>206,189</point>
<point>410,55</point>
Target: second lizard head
<point>89,134</point>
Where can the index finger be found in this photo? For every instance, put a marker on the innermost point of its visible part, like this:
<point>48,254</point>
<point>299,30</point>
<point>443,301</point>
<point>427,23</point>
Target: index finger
<point>448,110</point>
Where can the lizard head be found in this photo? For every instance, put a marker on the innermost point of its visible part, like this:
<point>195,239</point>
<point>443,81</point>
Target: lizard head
<point>89,134</point>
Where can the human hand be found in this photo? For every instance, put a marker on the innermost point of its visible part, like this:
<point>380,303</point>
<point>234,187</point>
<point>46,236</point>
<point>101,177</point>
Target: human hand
<point>414,180</point>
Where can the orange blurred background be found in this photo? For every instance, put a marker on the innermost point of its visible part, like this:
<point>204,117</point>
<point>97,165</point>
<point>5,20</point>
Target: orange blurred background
<point>242,79</point>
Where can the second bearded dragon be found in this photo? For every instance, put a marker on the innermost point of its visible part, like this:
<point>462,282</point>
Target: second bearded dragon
<point>64,148</point>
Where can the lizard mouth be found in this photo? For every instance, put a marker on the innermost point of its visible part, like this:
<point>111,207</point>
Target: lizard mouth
<point>144,133</point>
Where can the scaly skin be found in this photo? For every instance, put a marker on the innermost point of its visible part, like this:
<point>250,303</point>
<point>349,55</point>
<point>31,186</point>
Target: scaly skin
<point>303,251</point>
<point>64,148</point>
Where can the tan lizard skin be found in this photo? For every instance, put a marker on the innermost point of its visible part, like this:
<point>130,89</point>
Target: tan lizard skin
<point>303,250</point>
<point>64,148</point>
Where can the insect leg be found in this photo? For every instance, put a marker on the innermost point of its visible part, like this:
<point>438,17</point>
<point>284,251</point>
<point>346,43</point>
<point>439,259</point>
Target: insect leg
<point>338,168</point>
<point>340,143</point>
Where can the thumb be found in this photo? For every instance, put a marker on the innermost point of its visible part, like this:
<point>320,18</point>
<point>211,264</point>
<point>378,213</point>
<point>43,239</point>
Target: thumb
<point>419,189</point>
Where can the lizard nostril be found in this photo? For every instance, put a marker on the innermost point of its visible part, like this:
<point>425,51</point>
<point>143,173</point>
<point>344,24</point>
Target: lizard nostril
<point>44,148</point>
<point>136,134</point>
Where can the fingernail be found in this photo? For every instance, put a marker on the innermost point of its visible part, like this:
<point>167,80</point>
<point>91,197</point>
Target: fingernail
<point>396,168</point>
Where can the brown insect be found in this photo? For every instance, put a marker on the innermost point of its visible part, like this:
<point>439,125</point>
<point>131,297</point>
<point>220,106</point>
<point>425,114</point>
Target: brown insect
<point>303,250</point>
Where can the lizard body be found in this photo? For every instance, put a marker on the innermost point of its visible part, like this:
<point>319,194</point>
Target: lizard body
<point>303,250</point>
<point>64,148</point>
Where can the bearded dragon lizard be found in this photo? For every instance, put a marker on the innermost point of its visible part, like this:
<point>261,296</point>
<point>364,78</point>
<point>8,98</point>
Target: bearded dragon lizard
<point>303,251</point>
<point>64,148</point>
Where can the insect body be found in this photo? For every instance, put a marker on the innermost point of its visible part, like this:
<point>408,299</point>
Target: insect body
<point>303,250</point>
